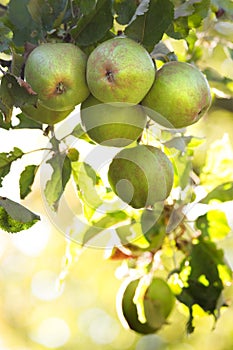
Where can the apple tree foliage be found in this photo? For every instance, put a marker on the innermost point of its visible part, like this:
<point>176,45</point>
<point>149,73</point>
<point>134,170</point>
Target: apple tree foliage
<point>166,243</point>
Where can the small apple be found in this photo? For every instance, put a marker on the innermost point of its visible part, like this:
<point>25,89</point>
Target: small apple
<point>73,154</point>
<point>111,125</point>
<point>141,175</point>
<point>44,115</point>
<point>120,70</point>
<point>127,310</point>
<point>157,303</point>
<point>57,73</point>
<point>179,97</point>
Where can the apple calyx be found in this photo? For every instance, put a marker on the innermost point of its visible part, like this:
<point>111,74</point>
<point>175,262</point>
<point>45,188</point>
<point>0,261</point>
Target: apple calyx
<point>110,76</point>
<point>60,88</point>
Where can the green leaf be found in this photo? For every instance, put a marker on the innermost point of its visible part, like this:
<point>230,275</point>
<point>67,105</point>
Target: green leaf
<point>6,160</point>
<point>26,123</point>
<point>214,225</point>
<point>199,275</point>
<point>154,226</point>
<point>214,75</point>
<point>24,27</point>
<point>47,13</point>
<point>179,29</point>
<point>3,124</point>
<point>183,143</point>
<point>195,10</point>
<point>191,41</point>
<point>202,8</point>
<point>147,232</point>
<point>55,186</point>
<point>93,27</point>
<point>26,180</point>
<point>187,16</point>
<point>186,9</point>
<point>148,27</point>
<point>17,63</point>
<point>132,234</point>
<point>18,13</point>
<point>219,82</point>
<point>86,6</point>
<point>182,169</point>
<point>224,28</point>
<point>5,37</point>
<point>230,52</point>
<point>87,181</point>
<point>6,112</point>
<point>161,52</point>
<point>179,143</point>
<point>13,94</point>
<point>109,220</point>
<point>195,142</point>
<point>125,10</point>
<point>34,8</point>
<point>79,133</point>
<point>141,9</point>
<point>14,217</point>
<point>222,193</point>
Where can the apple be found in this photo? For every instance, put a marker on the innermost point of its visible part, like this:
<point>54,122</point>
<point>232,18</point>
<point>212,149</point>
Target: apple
<point>179,97</point>
<point>111,125</point>
<point>73,154</point>
<point>127,310</point>
<point>57,73</point>
<point>141,175</point>
<point>44,115</point>
<point>157,302</point>
<point>120,70</point>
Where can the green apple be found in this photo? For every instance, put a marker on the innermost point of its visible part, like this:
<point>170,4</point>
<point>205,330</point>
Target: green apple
<point>111,125</point>
<point>141,175</point>
<point>57,73</point>
<point>73,154</point>
<point>44,115</point>
<point>179,97</point>
<point>158,302</point>
<point>127,310</point>
<point>120,70</point>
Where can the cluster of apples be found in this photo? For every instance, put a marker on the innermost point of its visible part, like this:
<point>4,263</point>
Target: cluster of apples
<point>119,88</point>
